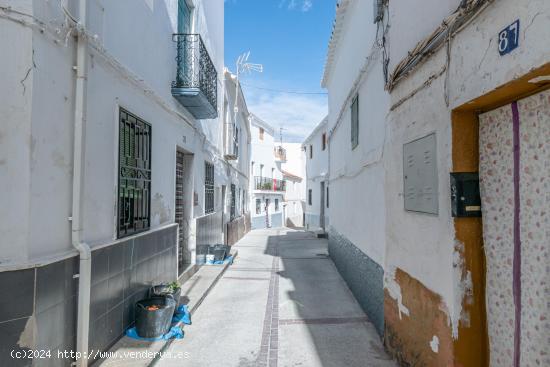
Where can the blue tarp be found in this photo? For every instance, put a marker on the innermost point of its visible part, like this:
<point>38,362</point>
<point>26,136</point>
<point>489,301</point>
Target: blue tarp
<point>181,316</point>
<point>227,260</point>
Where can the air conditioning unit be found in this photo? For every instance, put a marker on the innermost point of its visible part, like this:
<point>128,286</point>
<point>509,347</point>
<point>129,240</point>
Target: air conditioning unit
<point>378,11</point>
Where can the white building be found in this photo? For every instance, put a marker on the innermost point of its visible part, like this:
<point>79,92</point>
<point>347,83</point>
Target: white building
<point>425,103</point>
<point>267,186</point>
<point>237,150</point>
<point>294,173</point>
<point>102,161</point>
<point>315,147</point>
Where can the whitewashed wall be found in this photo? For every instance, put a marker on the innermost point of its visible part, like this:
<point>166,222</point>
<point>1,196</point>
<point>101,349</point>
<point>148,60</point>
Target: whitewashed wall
<point>357,175</point>
<point>126,73</point>
<point>476,68</point>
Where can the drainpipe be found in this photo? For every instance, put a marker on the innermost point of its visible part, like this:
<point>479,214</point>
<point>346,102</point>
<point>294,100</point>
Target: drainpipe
<point>84,277</point>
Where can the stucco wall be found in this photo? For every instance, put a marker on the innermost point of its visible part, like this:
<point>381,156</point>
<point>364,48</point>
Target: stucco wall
<point>39,163</point>
<point>423,245</point>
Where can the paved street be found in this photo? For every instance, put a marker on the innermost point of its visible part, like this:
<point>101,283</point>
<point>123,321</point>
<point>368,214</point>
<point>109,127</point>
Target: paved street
<point>282,303</point>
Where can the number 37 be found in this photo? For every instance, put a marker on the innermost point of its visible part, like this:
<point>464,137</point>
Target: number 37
<point>508,38</point>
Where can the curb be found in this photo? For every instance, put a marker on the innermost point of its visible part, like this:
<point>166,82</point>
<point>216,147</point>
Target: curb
<point>194,308</point>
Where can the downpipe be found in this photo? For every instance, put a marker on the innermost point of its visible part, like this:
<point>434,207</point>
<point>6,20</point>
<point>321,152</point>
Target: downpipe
<point>85,254</point>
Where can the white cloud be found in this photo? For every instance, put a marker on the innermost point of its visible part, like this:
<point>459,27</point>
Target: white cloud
<point>303,5</point>
<point>297,114</point>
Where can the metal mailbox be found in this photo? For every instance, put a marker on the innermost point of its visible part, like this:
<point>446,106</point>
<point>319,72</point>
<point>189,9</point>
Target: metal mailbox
<point>465,197</point>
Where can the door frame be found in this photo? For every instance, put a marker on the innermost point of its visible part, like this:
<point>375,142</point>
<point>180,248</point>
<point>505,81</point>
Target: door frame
<point>322,206</point>
<point>472,345</point>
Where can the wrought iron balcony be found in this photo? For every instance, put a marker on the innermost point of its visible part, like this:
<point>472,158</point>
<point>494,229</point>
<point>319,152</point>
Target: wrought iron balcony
<point>196,84</point>
<point>269,184</point>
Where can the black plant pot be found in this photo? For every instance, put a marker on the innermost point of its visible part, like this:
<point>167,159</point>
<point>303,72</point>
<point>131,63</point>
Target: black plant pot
<point>154,323</point>
<point>164,290</point>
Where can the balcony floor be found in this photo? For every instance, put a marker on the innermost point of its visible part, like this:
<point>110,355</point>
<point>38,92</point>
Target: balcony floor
<point>195,101</point>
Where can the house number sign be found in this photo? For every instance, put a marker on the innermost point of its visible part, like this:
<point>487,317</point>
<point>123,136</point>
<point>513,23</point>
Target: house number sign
<point>508,39</point>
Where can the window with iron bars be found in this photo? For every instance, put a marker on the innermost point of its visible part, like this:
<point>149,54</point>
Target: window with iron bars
<point>258,206</point>
<point>208,188</point>
<point>236,142</point>
<point>276,205</point>
<point>134,175</point>
<point>233,199</point>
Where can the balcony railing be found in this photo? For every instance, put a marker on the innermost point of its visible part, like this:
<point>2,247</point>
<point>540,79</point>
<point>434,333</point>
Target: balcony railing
<point>269,184</point>
<point>196,84</point>
<point>280,153</point>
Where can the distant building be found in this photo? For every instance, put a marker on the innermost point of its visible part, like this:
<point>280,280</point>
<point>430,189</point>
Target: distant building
<point>267,186</point>
<point>294,173</point>
<point>315,147</point>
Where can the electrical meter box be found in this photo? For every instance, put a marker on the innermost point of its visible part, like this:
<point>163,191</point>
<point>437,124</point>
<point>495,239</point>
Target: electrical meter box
<point>465,198</point>
<point>420,175</point>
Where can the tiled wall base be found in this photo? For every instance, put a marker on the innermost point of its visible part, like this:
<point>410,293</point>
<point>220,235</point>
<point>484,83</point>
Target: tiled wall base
<point>364,276</point>
<point>275,219</point>
<point>39,305</point>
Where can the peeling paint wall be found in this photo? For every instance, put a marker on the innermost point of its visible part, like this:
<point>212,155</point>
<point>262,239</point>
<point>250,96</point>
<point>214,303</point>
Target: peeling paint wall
<point>417,327</point>
<point>439,251</point>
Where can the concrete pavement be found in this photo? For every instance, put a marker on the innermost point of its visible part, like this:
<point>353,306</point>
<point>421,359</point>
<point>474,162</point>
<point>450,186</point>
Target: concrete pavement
<point>282,303</point>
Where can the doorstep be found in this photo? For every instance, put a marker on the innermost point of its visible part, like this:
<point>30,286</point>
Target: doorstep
<point>131,352</point>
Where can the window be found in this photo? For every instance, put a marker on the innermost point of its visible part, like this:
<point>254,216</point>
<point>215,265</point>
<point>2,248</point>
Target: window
<point>208,188</point>
<point>311,151</point>
<point>236,142</point>
<point>261,133</point>
<point>355,122</point>
<point>309,198</point>
<point>324,141</point>
<point>266,205</point>
<point>243,208</point>
<point>327,196</point>
<point>233,197</point>
<point>276,205</point>
<point>134,175</point>
<point>258,206</point>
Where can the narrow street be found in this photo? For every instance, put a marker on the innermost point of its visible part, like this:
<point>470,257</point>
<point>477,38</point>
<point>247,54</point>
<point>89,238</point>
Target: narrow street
<point>282,303</point>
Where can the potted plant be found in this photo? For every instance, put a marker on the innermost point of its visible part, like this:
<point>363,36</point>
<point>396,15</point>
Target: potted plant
<point>170,290</point>
<point>154,316</point>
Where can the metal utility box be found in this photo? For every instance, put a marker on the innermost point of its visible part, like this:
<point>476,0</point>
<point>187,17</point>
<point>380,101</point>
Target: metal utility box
<point>420,175</point>
<point>465,198</point>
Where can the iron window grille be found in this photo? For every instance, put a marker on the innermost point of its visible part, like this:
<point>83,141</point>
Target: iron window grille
<point>134,175</point>
<point>236,142</point>
<point>233,200</point>
<point>208,188</point>
<point>276,205</point>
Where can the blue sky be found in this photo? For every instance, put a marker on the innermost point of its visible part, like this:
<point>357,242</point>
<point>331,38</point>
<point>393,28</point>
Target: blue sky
<point>290,38</point>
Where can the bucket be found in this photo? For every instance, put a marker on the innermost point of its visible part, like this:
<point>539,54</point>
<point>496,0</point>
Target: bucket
<point>164,290</point>
<point>210,259</point>
<point>153,316</point>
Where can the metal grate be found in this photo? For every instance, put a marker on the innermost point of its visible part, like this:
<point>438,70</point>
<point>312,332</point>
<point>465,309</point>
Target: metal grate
<point>233,199</point>
<point>134,180</point>
<point>183,251</point>
<point>208,188</point>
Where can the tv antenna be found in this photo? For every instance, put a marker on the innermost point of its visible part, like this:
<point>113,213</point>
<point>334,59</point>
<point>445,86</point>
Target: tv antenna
<point>243,67</point>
